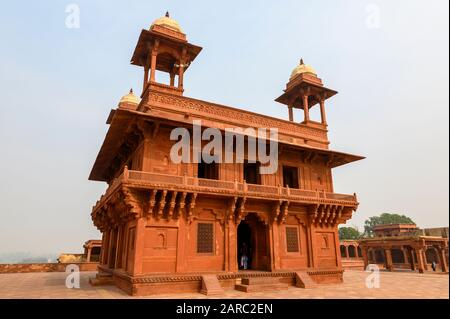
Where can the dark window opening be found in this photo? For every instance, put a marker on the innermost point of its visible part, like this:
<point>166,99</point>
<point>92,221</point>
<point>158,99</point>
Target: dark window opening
<point>96,250</point>
<point>208,171</point>
<point>205,238</point>
<point>251,173</point>
<point>290,177</point>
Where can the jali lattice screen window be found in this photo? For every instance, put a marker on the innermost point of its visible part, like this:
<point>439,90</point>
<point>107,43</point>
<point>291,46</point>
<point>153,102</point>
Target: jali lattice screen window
<point>292,239</point>
<point>205,238</point>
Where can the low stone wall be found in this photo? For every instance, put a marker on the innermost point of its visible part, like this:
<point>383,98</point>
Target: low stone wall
<point>45,267</point>
<point>352,263</point>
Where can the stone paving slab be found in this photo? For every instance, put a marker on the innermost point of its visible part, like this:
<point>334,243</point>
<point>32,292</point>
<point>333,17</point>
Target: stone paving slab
<point>392,285</point>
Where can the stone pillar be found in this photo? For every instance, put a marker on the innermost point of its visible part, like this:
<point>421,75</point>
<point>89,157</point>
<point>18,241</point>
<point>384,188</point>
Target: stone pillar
<point>145,77</point>
<point>172,79</point>
<point>337,248</point>
<point>420,263</point>
<point>305,107</point>
<point>180,74</point>
<point>125,246</point>
<point>424,255</point>
<point>291,113</point>
<point>388,256</point>
<point>405,255</point>
<point>181,244</point>
<point>88,257</point>
<point>443,260</point>
<point>105,247</point>
<point>139,246</point>
<point>118,248</point>
<point>110,248</point>
<point>275,245</point>
<point>153,65</point>
<point>412,261</point>
<point>322,111</point>
<point>311,252</point>
<point>365,257</point>
<point>347,255</point>
<point>232,246</point>
<point>226,254</point>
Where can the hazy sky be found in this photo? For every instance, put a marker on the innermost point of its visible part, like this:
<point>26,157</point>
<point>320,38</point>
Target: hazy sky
<point>387,59</point>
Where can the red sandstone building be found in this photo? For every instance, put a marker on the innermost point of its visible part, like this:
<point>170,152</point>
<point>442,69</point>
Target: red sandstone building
<point>404,246</point>
<point>181,227</point>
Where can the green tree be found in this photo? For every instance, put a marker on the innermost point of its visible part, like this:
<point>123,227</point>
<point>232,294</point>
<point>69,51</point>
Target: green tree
<point>384,219</point>
<point>349,233</point>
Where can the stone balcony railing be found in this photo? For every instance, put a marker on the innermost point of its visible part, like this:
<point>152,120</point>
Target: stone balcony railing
<point>140,179</point>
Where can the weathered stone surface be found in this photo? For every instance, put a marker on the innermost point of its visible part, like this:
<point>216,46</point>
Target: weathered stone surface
<point>45,267</point>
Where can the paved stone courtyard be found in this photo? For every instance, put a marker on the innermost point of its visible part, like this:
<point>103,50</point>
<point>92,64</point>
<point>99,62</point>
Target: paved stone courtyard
<point>392,285</point>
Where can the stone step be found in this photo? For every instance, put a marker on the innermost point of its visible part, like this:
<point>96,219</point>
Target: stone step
<point>303,280</point>
<point>261,287</point>
<point>260,280</point>
<point>211,286</point>
<point>101,280</point>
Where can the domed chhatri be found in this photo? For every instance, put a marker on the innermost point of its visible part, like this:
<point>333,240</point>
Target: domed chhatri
<point>302,68</point>
<point>167,22</point>
<point>130,98</point>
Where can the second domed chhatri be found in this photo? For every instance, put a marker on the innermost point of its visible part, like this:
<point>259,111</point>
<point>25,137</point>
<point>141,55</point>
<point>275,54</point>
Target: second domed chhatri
<point>302,68</point>
<point>167,22</point>
<point>130,98</point>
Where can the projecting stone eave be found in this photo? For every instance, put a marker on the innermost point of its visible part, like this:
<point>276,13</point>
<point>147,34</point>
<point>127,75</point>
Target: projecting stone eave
<point>181,111</point>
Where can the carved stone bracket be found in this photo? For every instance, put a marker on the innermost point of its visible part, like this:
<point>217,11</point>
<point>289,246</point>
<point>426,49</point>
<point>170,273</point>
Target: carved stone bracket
<point>190,207</point>
<point>240,210</point>
<point>284,210</point>
<point>276,211</point>
<point>328,214</point>
<point>231,208</point>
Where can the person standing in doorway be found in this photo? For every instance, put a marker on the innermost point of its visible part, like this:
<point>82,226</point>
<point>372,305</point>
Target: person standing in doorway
<point>244,256</point>
<point>433,265</point>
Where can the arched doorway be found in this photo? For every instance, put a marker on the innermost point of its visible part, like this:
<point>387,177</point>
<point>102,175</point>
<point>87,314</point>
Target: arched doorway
<point>343,251</point>
<point>397,256</point>
<point>379,256</point>
<point>351,251</point>
<point>244,239</point>
<point>252,237</point>
<point>431,255</point>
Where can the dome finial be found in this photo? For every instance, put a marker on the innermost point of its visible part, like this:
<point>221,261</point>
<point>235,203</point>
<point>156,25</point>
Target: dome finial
<point>167,22</point>
<point>129,98</point>
<point>302,68</point>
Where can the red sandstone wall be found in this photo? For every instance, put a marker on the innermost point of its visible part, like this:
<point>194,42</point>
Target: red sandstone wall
<point>325,246</point>
<point>293,260</point>
<point>44,267</point>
